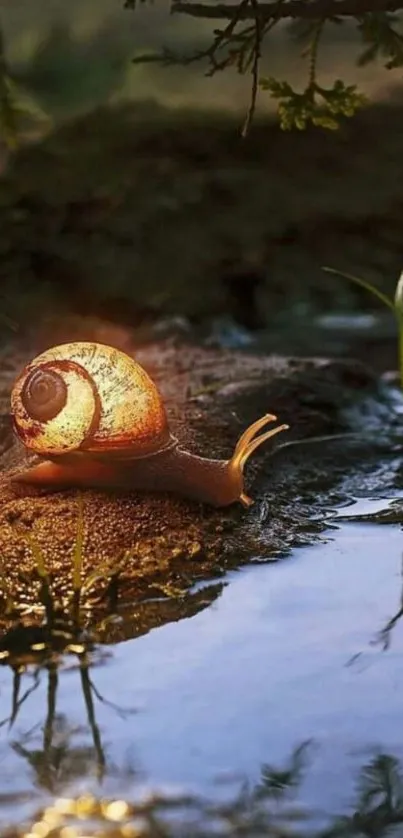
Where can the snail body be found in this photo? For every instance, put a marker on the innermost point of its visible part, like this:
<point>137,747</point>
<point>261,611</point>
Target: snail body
<point>99,420</point>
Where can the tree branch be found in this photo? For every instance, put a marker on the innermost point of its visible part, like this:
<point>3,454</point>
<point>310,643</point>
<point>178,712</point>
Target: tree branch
<point>255,69</point>
<point>313,10</point>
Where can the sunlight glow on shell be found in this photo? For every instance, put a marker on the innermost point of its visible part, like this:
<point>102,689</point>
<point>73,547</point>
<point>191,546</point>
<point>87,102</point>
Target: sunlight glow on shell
<point>112,407</point>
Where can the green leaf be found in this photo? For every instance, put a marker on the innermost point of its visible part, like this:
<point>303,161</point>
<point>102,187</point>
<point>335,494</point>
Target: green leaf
<point>398,301</point>
<point>382,38</point>
<point>326,122</point>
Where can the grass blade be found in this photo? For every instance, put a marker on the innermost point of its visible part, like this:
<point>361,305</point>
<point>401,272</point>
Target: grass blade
<point>364,284</point>
<point>38,556</point>
<point>78,547</point>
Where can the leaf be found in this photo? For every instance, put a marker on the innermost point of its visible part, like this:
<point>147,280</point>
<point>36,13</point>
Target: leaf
<point>100,575</point>
<point>16,104</point>
<point>383,39</point>
<point>326,122</point>
<point>364,284</point>
<point>148,58</point>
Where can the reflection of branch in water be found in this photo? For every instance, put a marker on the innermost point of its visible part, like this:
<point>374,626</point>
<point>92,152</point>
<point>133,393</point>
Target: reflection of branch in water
<point>56,761</point>
<point>89,703</point>
<point>379,805</point>
<point>123,712</point>
<point>48,729</point>
<point>16,701</point>
<point>376,811</point>
<point>384,635</point>
<point>45,765</point>
<point>43,647</point>
<point>276,782</point>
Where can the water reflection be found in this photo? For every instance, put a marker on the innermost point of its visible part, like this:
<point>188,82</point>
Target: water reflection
<point>269,808</point>
<point>56,761</point>
<point>378,807</point>
<point>233,687</point>
<point>43,653</point>
<point>384,638</point>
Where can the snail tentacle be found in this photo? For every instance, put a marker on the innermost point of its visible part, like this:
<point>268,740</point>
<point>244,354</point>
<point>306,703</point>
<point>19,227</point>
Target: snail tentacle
<point>259,441</point>
<point>248,442</point>
<point>252,430</point>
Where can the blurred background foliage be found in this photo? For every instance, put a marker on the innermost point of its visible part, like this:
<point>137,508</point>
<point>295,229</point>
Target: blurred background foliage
<point>71,58</point>
<point>126,187</point>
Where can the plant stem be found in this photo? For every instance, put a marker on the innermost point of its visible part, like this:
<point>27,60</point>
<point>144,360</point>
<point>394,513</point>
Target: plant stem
<point>78,563</point>
<point>313,54</point>
<point>78,546</point>
<point>400,339</point>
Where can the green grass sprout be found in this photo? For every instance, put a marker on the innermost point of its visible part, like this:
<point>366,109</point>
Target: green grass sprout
<point>394,304</point>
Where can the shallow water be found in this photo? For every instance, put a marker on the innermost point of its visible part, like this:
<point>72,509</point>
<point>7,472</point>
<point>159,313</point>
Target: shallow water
<point>290,652</point>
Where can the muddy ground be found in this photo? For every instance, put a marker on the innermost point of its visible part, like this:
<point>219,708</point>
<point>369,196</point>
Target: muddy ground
<point>161,545</point>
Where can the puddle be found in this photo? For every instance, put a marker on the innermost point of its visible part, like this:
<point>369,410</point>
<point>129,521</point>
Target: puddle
<point>373,510</point>
<point>370,508</point>
<point>305,650</point>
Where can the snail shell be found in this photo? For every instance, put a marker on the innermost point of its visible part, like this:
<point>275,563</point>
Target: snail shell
<point>88,397</point>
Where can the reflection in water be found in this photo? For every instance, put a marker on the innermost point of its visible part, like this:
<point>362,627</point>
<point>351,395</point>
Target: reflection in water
<point>385,635</point>
<point>259,675</point>
<point>273,804</point>
<point>41,651</point>
<point>379,802</point>
<point>58,761</point>
<point>266,809</point>
<point>281,616</point>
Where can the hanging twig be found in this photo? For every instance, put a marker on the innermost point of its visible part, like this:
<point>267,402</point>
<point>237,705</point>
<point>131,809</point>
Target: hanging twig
<point>291,9</point>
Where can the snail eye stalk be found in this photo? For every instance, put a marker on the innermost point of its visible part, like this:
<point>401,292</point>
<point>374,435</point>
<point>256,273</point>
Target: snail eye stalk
<point>249,442</point>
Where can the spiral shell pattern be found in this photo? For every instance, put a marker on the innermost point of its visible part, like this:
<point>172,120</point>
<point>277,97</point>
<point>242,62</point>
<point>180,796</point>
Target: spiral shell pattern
<point>88,397</point>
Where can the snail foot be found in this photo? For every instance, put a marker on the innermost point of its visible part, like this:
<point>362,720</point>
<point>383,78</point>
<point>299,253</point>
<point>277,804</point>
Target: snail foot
<point>52,475</point>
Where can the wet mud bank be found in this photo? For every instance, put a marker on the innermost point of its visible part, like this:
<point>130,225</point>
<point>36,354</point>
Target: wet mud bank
<point>161,545</point>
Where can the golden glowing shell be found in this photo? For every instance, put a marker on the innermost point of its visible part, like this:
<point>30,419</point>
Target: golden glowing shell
<point>88,397</point>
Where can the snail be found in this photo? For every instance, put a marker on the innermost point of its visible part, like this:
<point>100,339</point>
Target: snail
<point>99,420</point>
